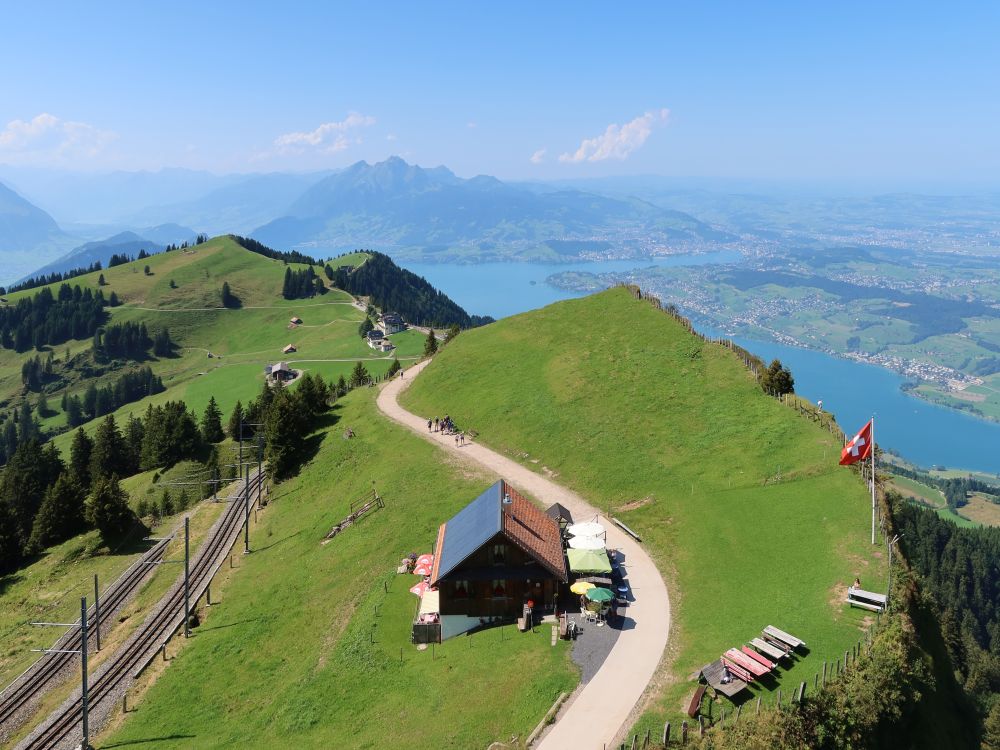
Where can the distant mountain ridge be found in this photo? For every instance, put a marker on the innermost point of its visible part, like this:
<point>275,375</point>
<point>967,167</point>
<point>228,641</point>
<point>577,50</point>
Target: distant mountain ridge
<point>152,240</point>
<point>401,205</point>
<point>28,235</point>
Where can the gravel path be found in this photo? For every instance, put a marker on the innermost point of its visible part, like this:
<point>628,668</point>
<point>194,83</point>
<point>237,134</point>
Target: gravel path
<point>600,710</point>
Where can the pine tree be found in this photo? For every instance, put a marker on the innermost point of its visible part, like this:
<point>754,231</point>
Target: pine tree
<point>11,549</point>
<point>359,375</point>
<point>142,507</point>
<point>101,281</point>
<point>453,331</point>
<point>211,422</point>
<point>365,327</point>
<point>107,509</point>
<point>393,368</point>
<point>79,458</point>
<point>431,344</point>
<point>341,387</point>
<point>182,500</point>
<point>285,427</point>
<point>235,419</point>
<point>43,406</point>
<point>109,455</point>
<point>60,515</point>
<point>166,504</point>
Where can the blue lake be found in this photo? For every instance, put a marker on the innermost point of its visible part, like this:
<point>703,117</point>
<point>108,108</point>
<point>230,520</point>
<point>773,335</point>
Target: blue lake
<point>922,432</point>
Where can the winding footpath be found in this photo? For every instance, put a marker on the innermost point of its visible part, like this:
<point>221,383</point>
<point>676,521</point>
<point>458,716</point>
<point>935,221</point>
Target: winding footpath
<point>599,711</point>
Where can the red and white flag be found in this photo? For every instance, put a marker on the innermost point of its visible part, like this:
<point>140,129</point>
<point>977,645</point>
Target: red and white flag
<point>859,447</point>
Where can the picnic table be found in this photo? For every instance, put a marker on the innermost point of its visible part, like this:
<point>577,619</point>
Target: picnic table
<point>713,674</point>
<point>866,599</point>
<point>769,649</point>
<point>785,638</point>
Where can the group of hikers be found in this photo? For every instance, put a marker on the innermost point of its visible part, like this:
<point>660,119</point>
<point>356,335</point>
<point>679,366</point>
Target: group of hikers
<point>447,427</point>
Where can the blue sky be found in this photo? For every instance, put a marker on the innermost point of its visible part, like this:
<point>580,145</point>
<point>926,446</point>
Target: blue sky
<point>752,90</point>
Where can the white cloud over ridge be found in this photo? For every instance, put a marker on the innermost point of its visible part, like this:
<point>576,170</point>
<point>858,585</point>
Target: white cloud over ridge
<point>48,140</point>
<point>538,157</point>
<point>618,141</point>
<point>328,138</point>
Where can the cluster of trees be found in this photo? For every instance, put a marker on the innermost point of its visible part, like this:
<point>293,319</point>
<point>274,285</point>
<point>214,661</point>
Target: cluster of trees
<point>960,568</point>
<point>777,379</point>
<point>17,427</point>
<point>127,340</point>
<point>36,372</point>
<point>51,278</point>
<point>302,284</point>
<point>955,489</point>
<point>45,318</point>
<point>261,249</point>
<point>96,402</point>
<point>45,500</point>
<point>120,259</point>
<point>393,288</point>
<point>200,239</point>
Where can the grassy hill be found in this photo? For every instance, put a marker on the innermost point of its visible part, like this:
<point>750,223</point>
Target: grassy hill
<point>739,499</point>
<point>297,655</point>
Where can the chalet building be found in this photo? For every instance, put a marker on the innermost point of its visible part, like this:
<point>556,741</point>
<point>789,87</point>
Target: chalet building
<point>279,373</point>
<point>390,323</point>
<point>495,556</point>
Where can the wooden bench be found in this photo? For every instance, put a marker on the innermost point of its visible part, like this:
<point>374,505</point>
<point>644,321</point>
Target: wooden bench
<point>781,636</point>
<point>695,703</point>
<point>736,670</point>
<point>866,599</point>
<point>763,661</point>
<point>769,649</point>
<point>750,665</point>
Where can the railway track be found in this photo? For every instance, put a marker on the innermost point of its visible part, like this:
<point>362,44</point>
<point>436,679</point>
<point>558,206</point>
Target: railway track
<point>63,727</point>
<point>44,673</point>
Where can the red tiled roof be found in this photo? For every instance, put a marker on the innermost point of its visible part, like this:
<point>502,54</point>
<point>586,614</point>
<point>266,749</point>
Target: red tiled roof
<point>534,532</point>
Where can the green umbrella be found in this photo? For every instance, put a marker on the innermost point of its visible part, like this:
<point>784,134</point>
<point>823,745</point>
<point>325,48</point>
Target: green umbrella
<point>600,595</point>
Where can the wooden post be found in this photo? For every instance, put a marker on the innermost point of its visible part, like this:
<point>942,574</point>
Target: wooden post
<point>684,732</point>
<point>666,734</point>
<point>739,710</point>
<point>385,585</point>
<point>779,697</point>
<point>163,650</point>
<point>645,742</point>
<point>701,726</point>
<point>400,654</point>
<point>125,703</point>
<point>845,660</point>
<point>816,682</point>
<point>757,712</point>
<point>824,674</point>
<point>802,691</point>
<point>722,718</point>
<point>635,737</point>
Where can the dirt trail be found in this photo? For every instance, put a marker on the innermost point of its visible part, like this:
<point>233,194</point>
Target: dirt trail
<point>599,711</point>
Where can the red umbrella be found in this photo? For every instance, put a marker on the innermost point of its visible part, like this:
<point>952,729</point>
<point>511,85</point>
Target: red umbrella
<point>422,570</point>
<point>419,588</point>
<point>426,559</point>
<point>424,565</point>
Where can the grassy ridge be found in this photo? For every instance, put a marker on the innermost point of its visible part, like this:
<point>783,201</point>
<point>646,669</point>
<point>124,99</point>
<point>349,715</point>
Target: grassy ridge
<point>297,657</point>
<point>739,500</point>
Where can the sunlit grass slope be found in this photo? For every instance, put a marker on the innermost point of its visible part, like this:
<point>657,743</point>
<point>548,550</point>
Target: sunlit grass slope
<point>738,498</point>
<point>296,656</point>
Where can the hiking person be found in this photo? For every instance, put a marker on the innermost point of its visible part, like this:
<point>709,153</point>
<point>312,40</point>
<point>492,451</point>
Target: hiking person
<point>429,423</point>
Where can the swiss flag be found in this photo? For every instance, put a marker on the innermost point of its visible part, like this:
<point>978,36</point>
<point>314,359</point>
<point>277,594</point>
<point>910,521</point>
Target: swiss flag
<point>859,447</point>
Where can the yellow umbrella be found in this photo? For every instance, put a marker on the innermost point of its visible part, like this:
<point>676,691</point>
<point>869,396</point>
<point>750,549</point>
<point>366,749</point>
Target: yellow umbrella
<point>581,587</point>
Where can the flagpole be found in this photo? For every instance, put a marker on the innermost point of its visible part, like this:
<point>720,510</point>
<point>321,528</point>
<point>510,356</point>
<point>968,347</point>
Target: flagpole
<point>873,478</point>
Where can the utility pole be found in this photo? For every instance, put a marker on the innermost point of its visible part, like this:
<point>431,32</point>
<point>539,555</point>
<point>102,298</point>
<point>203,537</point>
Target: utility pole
<point>187,575</point>
<point>97,614</point>
<point>84,689</point>
<point>246,512</point>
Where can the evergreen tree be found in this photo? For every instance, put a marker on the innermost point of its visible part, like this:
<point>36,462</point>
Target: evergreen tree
<point>393,368</point>
<point>11,548</point>
<point>27,427</point>
<point>166,504</point>
<point>107,509</point>
<point>109,456</point>
<point>341,388</point>
<point>43,406</point>
<point>211,422</point>
<point>9,439</point>
<point>359,375</point>
<point>453,331</point>
<point>60,515</point>
<point>285,427</point>
<point>365,327</point>
<point>182,500</point>
<point>142,507</point>
<point>233,428</point>
<point>29,473</point>
<point>134,432</point>
<point>777,379</point>
<point>431,344</point>
<point>101,281</point>
<point>79,458</point>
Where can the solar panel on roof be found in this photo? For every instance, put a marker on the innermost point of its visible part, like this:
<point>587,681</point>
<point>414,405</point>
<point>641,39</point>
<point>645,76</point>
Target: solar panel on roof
<point>470,529</point>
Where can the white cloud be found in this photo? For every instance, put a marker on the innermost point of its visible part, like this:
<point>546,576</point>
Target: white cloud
<point>538,156</point>
<point>328,138</point>
<point>618,142</point>
<point>46,140</point>
<point>391,137</point>
<point>471,125</point>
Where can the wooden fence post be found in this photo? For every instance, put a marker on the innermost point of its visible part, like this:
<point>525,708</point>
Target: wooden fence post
<point>701,726</point>
<point>757,712</point>
<point>684,732</point>
<point>666,734</point>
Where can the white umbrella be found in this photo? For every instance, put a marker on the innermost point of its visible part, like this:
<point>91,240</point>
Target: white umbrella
<point>586,542</point>
<point>587,528</point>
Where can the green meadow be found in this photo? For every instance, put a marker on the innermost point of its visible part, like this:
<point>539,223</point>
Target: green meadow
<point>310,645</point>
<point>738,498</point>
